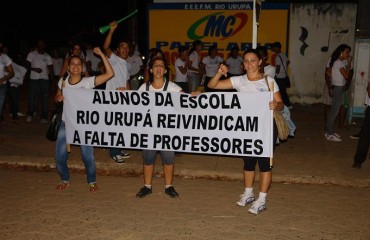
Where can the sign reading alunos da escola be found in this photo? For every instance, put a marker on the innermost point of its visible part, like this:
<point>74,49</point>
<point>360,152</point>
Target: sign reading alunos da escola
<point>221,24</point>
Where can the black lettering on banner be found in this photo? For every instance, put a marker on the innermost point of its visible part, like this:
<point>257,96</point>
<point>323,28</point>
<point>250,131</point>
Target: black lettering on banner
<point>139,140</point>
<point>195,144</point>
<point>102,139</point>
<point>85,117</point>
<point>114,118</point>
<point>163,99</point>
<point>97,98</point>
<point>122,98</point>
<point>76,137</point>
<point>213,101</point>
<point>215,146</point>
<point>247,146</point>
<point>205,144</point>
<point>147,120</point>
<point>237,146</point>
<point>258,147</point>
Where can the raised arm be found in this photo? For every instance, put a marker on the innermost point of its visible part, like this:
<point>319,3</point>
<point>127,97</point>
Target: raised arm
<point>108,39</point>
<point>225,83</point>
<point>109,73</point>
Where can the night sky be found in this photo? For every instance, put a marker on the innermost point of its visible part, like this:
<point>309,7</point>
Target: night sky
<point>67,20</point>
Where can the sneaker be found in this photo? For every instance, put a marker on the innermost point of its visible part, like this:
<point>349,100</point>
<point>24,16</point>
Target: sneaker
<point>170,191</point>
<point>143,192</point>
<point>333,138</point>
<point>44,120</point>
<point>257,207</point>
<point>335,134</point>
<point>355,136</point>
<point>245,200</point>
<point>118,159</point>
<point>125,154</point>
<point>21,114</point>
<point>28,119</point>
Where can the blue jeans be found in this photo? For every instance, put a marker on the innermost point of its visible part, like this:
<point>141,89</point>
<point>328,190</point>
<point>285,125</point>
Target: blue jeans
<point>194,81</point>
<point>61,157</point>
<point>337,101</point>
<point>3,89</point>
<point>149,157</point>
<point>14,101</point>
<point>286,114</point>
<point>38,88</point>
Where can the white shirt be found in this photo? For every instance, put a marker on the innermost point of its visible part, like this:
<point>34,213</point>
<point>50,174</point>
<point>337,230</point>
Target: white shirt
<point>281,60</point>
<point>270,70</point>
<point>41,61</point>
<point>180,77</point>
<point>121,74</point>
<point>336,75</point>
<point>243,84</point>
<point>235,65</point>
<point>135,64</point>
<point>172,87</point>
<point>4,62</point>
<point>86,82</point>
<point>212,65</point>
<point>195,60</point>
<point>91,57</point>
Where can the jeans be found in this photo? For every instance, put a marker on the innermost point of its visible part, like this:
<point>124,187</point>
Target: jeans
<point>194,81</point>
<point>3,89</point>
<point>286,114</point>
<point>364,140</point>
<point>337,101</point>
<point>149,157</point>
<point>87,154</point>
<point>14,102</point>
<point>38,88</point>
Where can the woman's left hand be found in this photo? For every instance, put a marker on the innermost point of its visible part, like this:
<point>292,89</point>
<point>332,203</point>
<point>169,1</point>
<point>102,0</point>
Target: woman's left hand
<point>121,89</point>
<point>273,105</point>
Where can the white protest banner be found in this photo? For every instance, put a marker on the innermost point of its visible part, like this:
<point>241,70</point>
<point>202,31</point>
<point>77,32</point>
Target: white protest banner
<point>229,123</point>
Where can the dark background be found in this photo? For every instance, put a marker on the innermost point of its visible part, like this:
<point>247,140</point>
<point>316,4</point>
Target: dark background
<point>61,23</point>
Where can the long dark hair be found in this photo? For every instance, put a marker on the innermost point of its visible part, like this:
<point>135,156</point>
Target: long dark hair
<point>336,54</point>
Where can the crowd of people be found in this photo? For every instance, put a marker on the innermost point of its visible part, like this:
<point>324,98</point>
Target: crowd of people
<point>121,68</point>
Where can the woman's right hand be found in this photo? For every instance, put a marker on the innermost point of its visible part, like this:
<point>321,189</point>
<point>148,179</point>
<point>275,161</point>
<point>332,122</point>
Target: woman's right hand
<point>59,98</point>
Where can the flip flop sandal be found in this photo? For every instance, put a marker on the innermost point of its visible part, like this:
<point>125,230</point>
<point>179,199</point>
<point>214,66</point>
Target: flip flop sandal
<point>63,185</point>
<point>93,187</point>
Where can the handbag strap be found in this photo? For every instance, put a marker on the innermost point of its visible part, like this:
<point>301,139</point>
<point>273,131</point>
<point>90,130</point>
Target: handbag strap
<point>283,65</point>
<point>267,83</point>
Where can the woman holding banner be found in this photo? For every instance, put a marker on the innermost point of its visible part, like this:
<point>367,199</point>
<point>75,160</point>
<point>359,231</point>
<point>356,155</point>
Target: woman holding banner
<point>158,83</point>
<point>253,81</point>
<point>76,80</point>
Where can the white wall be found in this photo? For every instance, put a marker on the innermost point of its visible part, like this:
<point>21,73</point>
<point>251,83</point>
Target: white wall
<point>311,24</point>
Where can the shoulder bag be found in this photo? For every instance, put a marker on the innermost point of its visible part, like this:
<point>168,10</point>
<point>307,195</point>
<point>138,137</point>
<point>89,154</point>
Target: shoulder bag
<point>281,123</point>
<point>56,119</point>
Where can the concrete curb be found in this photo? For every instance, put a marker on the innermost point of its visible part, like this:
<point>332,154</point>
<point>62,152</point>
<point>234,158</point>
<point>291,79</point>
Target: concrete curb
<point>135,169</point>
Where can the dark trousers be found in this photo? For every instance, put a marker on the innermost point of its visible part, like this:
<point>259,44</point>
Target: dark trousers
<point>14,97</point>
<point>364,140</point>
<point>283,83</point>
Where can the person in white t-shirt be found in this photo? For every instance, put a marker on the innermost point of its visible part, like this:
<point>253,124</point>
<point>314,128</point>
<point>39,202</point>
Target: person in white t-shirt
<point>235,62</point>
<point>211,62</point>
<point>75,79</point>
<point>252,81</point>
<point>340,71</point>
<point>120,81</point>
<point>136,68</point>
<point>181,67</point>
<point>5,64</point>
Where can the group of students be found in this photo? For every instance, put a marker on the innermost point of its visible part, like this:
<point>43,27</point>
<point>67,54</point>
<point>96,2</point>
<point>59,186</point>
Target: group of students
<point>254,80</point>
